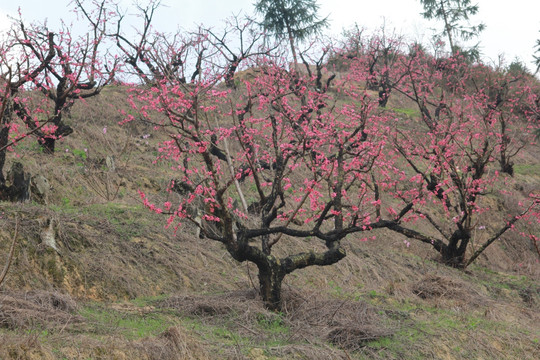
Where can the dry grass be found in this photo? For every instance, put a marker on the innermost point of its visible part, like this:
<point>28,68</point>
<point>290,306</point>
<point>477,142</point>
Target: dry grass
<point>32,309</point>
<point>172,344</point>
<point>310,318</point>
<point>27,347</point>
<point>436,287</point>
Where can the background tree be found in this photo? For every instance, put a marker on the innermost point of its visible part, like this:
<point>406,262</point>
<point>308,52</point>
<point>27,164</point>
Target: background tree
<point>77,71</point>
<point>18,72</point>
<point>291,19</point>
<point>454,13</point>
<point>379,56</point>
<point>537,63</point>
<point>537,57</point>
<point>62,68</point>
<point>152,56</point>
<point>468,121</point>
<point>249,42</point>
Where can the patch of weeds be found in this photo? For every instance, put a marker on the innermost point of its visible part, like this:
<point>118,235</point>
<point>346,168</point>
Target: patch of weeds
<point>499,281</point>
<point>105,321</point>
<point>371,297</point>
<point>336,289</point>
<point>381,343</point>
<point>220,334</point>
<point>79,154</point>
<point>38,332</point>
<point>274,325</point>
<point>374,294</point>
<point>148,300</point>
<point>400,345</point>
<point>527,169</point>
<point>407,111</point>
<point>419,324</point>
<point>127,220</point>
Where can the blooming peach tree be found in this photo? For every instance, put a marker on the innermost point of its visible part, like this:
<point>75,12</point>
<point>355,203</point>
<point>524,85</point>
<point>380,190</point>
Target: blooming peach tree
<point>468,122</point>
<point>306,161</point>
<point>62,67</point>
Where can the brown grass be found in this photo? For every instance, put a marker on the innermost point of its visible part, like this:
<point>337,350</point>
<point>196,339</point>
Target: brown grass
<point>37,308</point>
<point>23,347</point>
<point>310,317</point>
<point>174,343</point>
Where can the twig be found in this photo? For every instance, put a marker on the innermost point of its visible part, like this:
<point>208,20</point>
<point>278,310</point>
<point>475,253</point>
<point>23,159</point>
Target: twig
<point>27,134</point>
<point>236,183</point>
<point>273,242</point>
<point>250,279</point>
<point>534,243</point>
<point>11,252</point>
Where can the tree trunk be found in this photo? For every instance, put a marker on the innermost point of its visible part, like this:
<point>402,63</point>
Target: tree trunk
<point>272,270</point>
<point>270,279</point>
<point>506,165</point>
<point>4,138</point>
<point>19,190</point>
<point>4,133</point>
<point>48,144</point>
<point>448,28</point>
<point>454,253</point>
<point>384,94</point>
<point>293,49</point>
<point>229,76</point>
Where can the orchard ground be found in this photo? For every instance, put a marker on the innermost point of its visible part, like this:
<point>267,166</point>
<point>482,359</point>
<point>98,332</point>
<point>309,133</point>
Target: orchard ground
<point>121,286</point>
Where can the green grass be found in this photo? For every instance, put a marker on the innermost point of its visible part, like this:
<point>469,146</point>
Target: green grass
<point>407,111</point>
<point>107,321</point>
<point>148,300</point>
<point>275,325</point>
<point>128,220</point>
<point>415,335</point>
<point>527,169</point>
<point>217,334</point>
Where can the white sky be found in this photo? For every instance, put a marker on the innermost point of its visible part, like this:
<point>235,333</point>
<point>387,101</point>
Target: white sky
<point>512,27</point>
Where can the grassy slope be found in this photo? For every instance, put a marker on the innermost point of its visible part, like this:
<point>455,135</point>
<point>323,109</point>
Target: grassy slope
<point>123,287</point>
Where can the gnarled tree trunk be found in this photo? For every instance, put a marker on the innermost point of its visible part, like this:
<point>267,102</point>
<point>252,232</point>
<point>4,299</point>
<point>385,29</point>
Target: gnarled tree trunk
<point>272,270</point>
<point>453,254</point>
<point>271,277</point>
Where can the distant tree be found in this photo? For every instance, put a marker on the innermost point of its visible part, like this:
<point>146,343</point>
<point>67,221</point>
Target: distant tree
<point>453,13</point>
<point>155,57</point>
<point>249,44</point>
<point>292,19</point>
<point>517,68</point>
<point>18,72</point>
<point>537,63</point>
<point>537,57</point>
<point>77,70</point>
<point>381,55</point>
<point>42,73</point>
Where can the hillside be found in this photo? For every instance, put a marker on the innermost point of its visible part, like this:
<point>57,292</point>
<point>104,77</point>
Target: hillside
<point>117,284</point>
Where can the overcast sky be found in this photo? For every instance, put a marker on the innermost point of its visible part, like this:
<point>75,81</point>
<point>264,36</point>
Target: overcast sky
<point>512,27</point>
